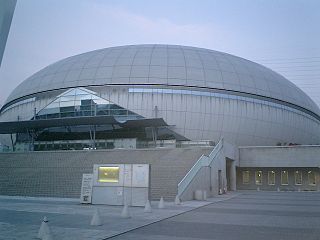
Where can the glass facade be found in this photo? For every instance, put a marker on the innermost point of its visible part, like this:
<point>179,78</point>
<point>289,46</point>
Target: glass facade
<point>83,102</point>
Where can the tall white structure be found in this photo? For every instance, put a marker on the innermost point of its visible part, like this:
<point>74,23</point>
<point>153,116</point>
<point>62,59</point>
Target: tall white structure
<point>6,13</point>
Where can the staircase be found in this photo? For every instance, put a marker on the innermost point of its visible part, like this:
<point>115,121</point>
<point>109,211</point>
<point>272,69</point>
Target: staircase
<point>203,161</point>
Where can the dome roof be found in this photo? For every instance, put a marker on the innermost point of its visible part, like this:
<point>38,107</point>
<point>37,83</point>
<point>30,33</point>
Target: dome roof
<point>167,65</point>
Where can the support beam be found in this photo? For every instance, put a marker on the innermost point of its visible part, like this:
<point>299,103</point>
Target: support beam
<point>12,143</point>
<point>233,176</point>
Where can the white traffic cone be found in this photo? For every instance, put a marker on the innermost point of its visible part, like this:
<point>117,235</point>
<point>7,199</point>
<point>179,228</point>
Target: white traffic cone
<point>161,203</point>
<point>125,212</point>
<point>147,208</point>
<point>177,200</point>
<point>220,191</point>
<point>44,229</point>
<point>96,220</point>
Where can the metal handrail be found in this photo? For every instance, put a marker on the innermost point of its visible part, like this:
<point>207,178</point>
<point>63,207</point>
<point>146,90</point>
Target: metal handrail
<point>215,151</point>
<point>203,161</point>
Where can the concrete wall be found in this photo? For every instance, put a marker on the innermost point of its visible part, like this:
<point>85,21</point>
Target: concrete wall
<point>289,156</point>
<point>59,173</point>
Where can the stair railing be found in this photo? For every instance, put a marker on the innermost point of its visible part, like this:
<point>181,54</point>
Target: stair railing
<point>203,161</point>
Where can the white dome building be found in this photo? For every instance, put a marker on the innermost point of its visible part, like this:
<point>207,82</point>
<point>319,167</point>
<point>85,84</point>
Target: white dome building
<point>200,94</point>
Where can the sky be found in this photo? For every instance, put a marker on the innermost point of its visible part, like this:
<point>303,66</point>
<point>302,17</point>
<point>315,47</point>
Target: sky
<point>283,35</point>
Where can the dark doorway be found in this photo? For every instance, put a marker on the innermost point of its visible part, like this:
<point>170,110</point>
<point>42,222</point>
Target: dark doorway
<point>228,173</point>
<point>220,181</point>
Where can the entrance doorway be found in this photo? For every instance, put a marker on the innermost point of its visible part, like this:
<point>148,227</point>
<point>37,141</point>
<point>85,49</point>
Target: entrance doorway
<point>220,182</point>
<point>228,173</point>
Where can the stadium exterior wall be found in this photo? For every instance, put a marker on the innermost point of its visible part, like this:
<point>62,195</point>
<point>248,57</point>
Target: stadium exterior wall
<point>239,121</point>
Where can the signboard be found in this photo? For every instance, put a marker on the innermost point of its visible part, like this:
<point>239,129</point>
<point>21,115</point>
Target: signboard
<point>108,174</point>
<point>86,188</point>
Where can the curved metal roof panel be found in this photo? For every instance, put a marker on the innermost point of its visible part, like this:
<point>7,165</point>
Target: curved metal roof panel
<point>167,65</point>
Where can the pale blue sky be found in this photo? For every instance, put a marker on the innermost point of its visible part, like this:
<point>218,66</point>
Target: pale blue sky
<point>283,35</point>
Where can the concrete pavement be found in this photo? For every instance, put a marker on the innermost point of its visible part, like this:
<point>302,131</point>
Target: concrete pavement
<point>251,215</point>
<point>20,218</point>
<point>240,215</point>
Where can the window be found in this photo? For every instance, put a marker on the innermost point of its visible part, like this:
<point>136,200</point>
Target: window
<point>258,177</point>
<point>245,177</point>
<point>271,177</point>
<point>311,178</point>
<point>284,178</point>
<point>298,177</point>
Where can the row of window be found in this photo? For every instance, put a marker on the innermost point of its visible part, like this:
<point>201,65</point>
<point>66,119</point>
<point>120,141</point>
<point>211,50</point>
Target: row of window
<point>284,177</point>
<point>83,111</point>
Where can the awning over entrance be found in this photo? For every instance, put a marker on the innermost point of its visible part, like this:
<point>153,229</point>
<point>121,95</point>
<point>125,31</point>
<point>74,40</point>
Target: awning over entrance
<point>39,124</point>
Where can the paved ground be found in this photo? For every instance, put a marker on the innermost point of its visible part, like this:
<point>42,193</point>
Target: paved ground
<point>248,215</point>
<point>251,215</point>
<point>20,218</point>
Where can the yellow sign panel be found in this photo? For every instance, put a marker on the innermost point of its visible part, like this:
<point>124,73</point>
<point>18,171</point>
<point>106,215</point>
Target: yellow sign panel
<point>108,174</point>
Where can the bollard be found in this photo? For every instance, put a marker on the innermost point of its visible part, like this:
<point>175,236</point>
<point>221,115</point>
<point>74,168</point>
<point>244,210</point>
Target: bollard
<point>258,189</point>
<point>125,212</point>
<point>44,231</point>
<point>147,208</point>
<point>96,220</point>
<point>161,203</point>
<point>205,195</point>
<point>278,189</point>
<point>198,195</point>
<point>177,200</point>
